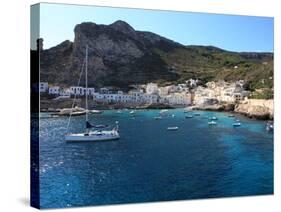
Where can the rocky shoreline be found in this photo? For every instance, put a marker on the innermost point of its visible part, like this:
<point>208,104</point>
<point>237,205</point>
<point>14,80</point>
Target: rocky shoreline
<point>50,105</point>
<point>252,108</point>
<point>215,107</point>
<point>256,108</point>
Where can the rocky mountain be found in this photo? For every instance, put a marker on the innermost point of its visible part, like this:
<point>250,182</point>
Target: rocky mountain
<point>120,56</point>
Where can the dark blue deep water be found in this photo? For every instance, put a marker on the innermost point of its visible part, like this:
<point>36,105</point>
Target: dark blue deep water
<point>150,163</point>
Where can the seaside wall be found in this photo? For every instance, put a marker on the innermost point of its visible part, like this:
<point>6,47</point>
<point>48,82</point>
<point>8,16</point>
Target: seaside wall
<point>256,108</point>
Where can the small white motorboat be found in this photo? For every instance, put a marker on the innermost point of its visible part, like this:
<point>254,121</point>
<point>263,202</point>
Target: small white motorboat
<point>172,128</point>
<point>95,111</point>
<point>236,124</point>
<point>163,111</point>
<point>76,111</point>
<point>157,117</point>
<point>189,116</point>
<point>269,126</point>
<point>212,123</point>
<point>132,112</point>
<point>213,118</point>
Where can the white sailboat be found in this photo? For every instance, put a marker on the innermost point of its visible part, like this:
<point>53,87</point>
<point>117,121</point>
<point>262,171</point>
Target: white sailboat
<point>92,135</point>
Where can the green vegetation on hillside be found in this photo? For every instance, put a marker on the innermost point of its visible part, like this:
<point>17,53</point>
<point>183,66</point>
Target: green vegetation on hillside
<point>121,56</point>
<point>210,63</point>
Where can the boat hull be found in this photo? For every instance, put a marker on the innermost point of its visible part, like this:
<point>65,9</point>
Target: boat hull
<point>92,137</point>
<point>172,128</point>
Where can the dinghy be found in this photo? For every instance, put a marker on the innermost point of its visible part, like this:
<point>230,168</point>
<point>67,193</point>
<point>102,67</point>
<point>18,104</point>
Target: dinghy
<point>269,126</point>
<point>95,111</point>
<point>172,128</point>
<point>236,124</point>
<point>212,123</point>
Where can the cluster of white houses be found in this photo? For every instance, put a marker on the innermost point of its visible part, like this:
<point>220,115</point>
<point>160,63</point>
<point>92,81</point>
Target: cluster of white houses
<point>181,94</point>
<point>44,87</point>
<point>221,91</point>
<point>145,94</point>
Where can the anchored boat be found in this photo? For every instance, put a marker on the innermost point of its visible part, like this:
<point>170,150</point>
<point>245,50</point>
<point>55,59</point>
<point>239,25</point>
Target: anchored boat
<point>76,111</point>
<point>212,123</point>
<point>95,135</point>
<point>236,124</point>
<point>95,111</point>
<point>92,132</point>
<point>269,126</point>
<point>172,128</point>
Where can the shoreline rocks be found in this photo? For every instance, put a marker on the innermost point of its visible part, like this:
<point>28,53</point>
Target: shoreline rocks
<point>215,107</point>
<point>159,106</point>
<point>256,108</point>
<point>253,108</point>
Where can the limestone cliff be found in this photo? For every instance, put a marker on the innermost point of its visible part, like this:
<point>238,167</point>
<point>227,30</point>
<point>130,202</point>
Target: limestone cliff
<point>256,108</point>
<point>119,56</point>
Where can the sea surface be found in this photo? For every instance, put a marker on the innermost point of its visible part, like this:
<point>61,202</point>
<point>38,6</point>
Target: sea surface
<point>150,163</point>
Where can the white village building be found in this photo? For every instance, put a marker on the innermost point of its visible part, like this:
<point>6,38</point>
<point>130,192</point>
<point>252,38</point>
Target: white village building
<point>151,88</point>
<point>66,92</point>
<point>54,90</point>
<point>163,91</point>
<point>176,99</point>
<point>77,90</point>
<point>90,91</point>
<point>43,87</point>
<point>81,91</point>
<point>220,91</point>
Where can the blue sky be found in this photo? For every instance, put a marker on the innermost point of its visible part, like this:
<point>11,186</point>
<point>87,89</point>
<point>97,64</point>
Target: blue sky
<point>234,33</point>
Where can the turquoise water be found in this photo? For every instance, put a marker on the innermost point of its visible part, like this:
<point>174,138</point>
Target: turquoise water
<point>149,163</point>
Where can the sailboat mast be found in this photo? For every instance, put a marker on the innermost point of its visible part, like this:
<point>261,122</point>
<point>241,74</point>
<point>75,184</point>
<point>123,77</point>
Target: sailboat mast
<point>86,82</point>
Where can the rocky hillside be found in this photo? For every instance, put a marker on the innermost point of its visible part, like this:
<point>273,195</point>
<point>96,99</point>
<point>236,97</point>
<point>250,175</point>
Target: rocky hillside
<point>257,108</point>
<point>120,55</point>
